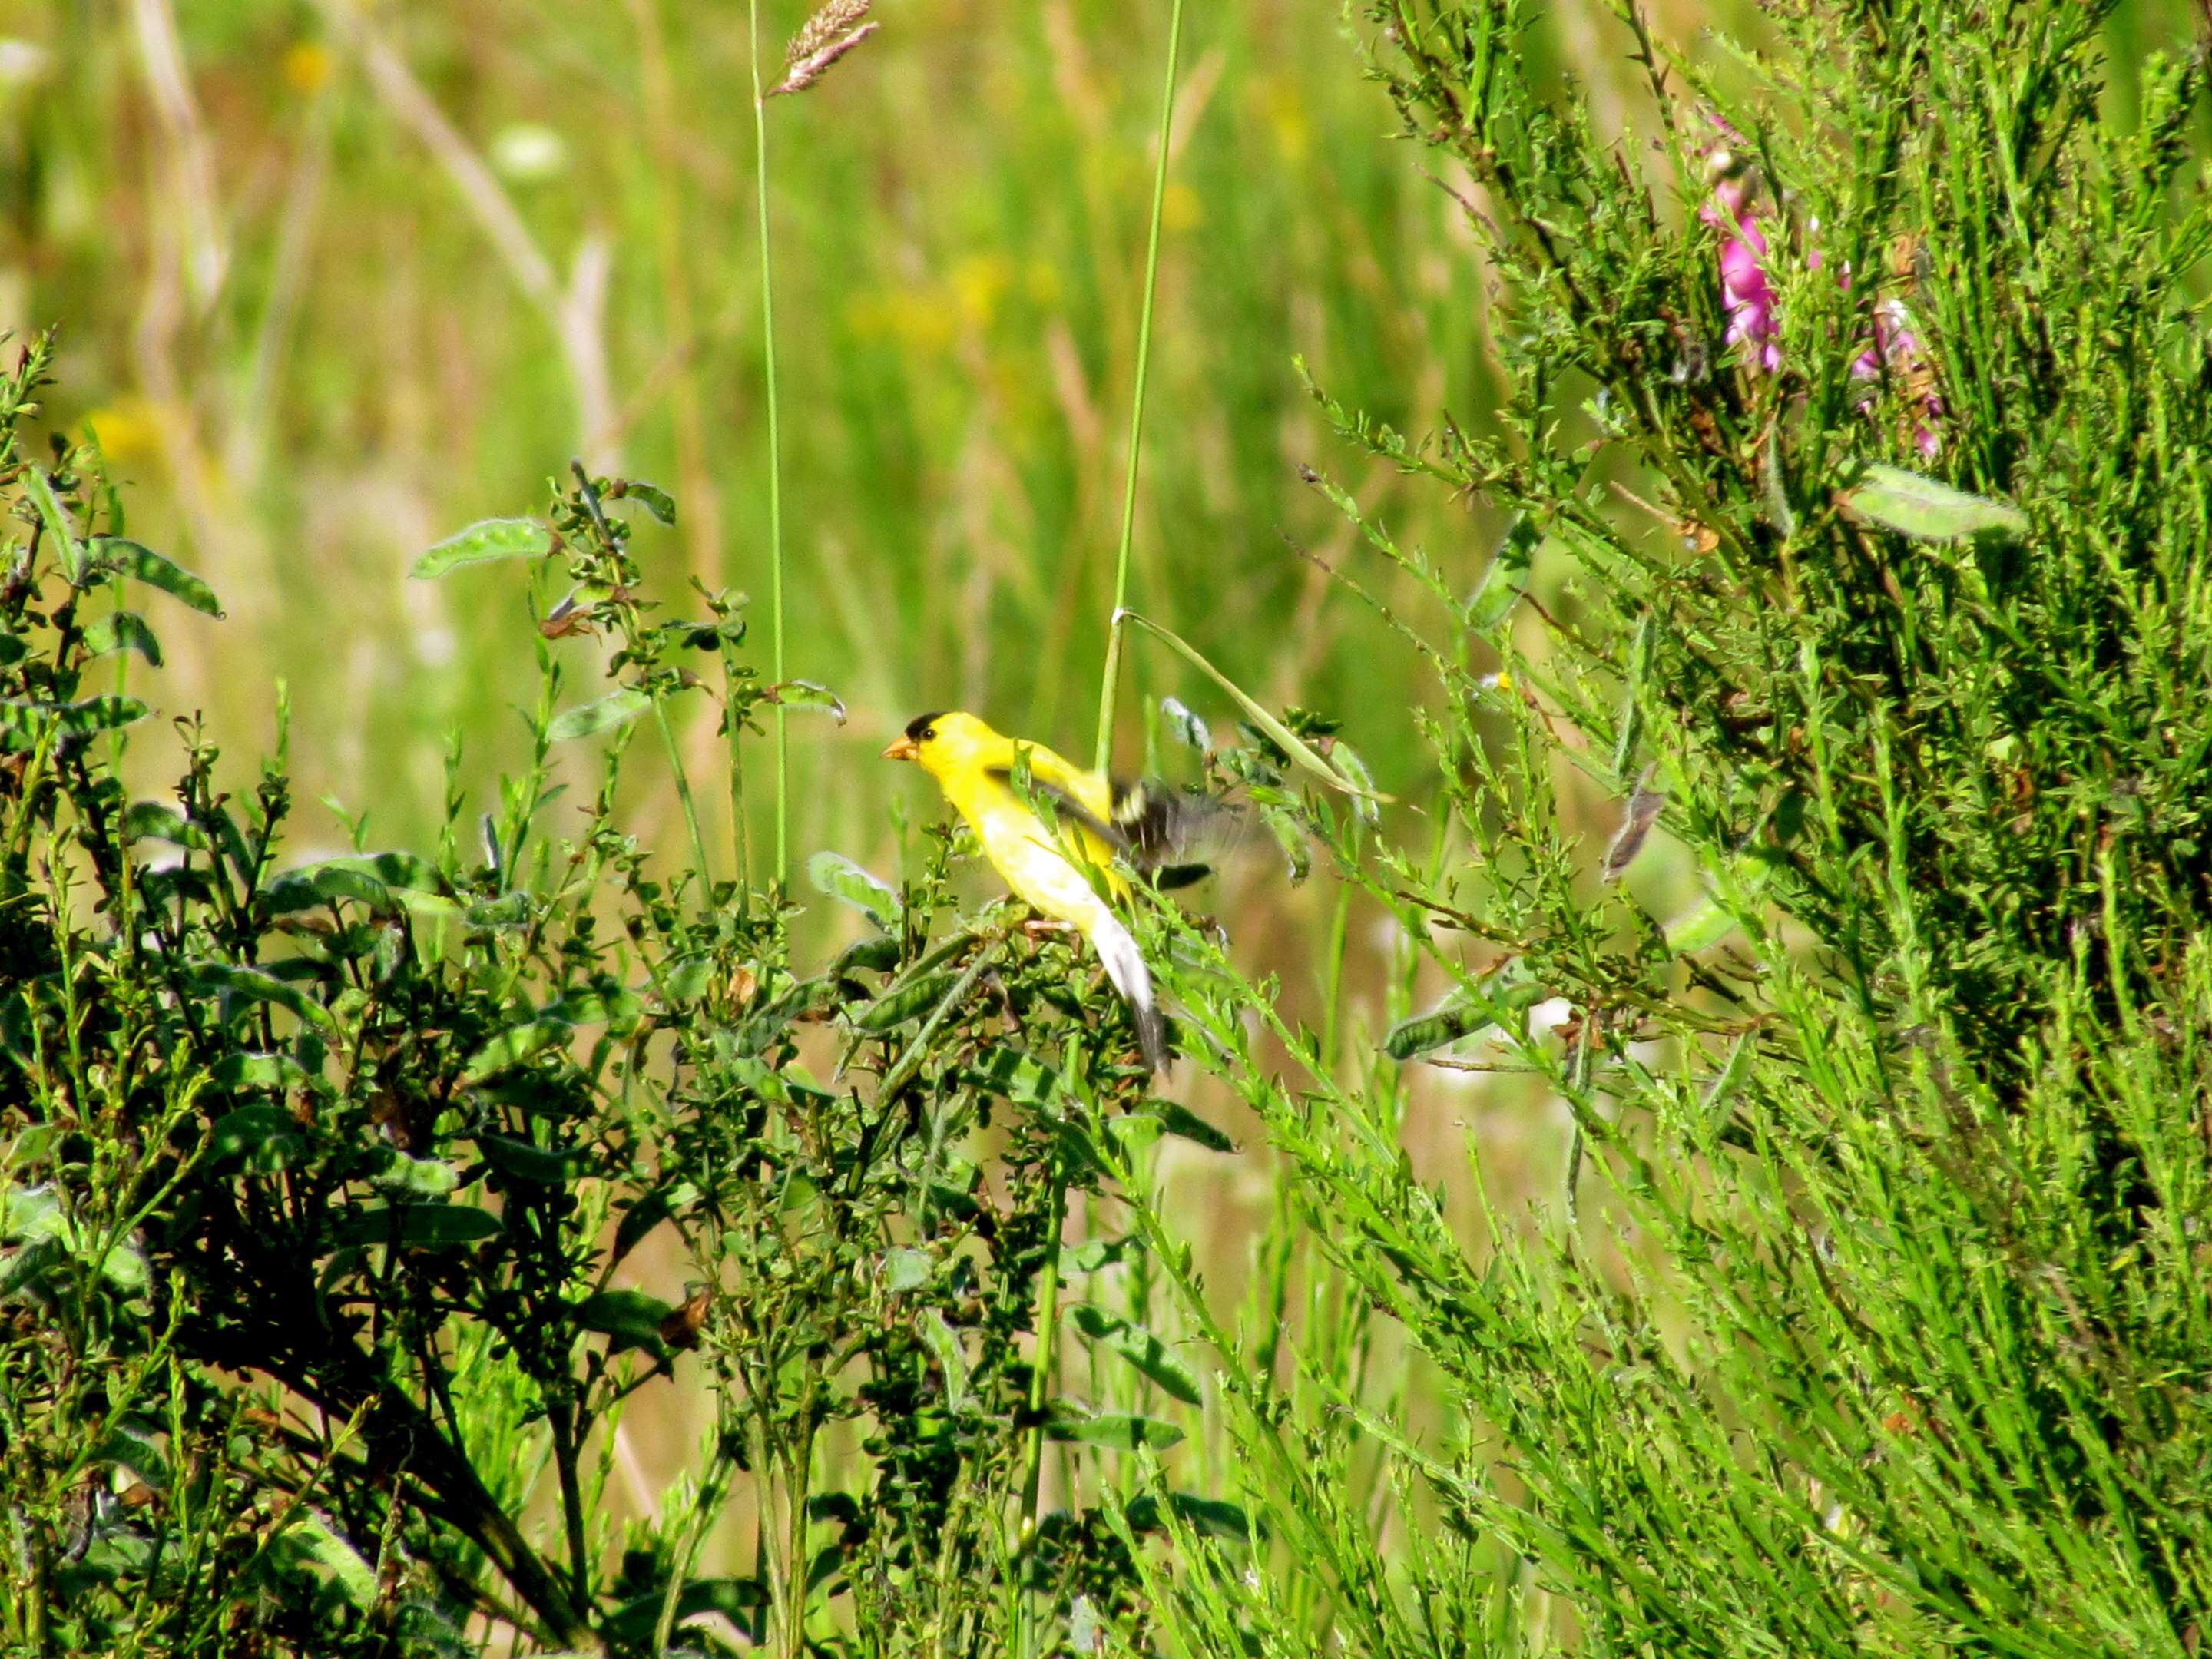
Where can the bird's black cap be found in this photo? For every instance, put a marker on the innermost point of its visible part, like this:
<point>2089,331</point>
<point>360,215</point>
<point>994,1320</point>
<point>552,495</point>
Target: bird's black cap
<point>921,723</point>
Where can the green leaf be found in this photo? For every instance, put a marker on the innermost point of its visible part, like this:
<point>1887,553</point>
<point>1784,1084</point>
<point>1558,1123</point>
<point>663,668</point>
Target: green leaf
<point>12,650</point>
<point>524,1160</point>
<point>909,1001</point>
<point>633,1623</point>
<point>1181,1121</point>
<point>1184,726</point>
<point>415,1177</point>
<point>258,986</point>
<point>1210,1515</point>
<point>1924,509</point>
<point>514,1045</point>
<point>1113,1430</point>
<point>242,1070</point>
<point>23,718</point>
<point>320,1543</point>
<point>124,630</point>
<point>684,980</point>
<point>652,497</point>
<point>1507,578</point>
<point>145,565</point>
<point>840,878</point>
<point>261,1136</point>
<point>1145,1352</point>
<point>631,1317</point>
<point>67,553</point>
<point>153,820</point>
<point>616,708</point>
<point>325,884</point>
<point>483,542</point>
<point>1700,927</point>
<point>419,1226</point>
<point>906,1268</point>
<point>805,694</point>
<point>1301,753</point>
<point>938,1336</point>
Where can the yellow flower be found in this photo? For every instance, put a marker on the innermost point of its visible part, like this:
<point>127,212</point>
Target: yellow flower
<point>979,283</point>
<point>1180,209</point>
<point>306,67</point>
<point>128,429</point>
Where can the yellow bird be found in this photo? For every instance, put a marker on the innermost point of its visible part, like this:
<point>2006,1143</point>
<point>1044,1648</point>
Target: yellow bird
<point>975,766</point>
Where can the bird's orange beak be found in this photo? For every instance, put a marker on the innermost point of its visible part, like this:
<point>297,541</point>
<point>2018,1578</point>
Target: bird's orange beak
<point>904,749</point>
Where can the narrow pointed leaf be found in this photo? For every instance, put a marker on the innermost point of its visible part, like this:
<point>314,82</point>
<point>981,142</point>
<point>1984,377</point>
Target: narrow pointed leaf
<point>67,551</point>
<point>1143,1351</point>
<point>1924,509</point>
<point>616,708</point>
<point>486,540</point>
<point>145,565</point>
<point>840,878</point>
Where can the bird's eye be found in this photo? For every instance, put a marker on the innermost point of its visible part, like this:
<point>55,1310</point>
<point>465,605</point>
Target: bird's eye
<point>929,734</point>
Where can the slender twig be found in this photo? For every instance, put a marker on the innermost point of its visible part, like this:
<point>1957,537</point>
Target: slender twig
<point>775,452</point>
<point>1110,681</point>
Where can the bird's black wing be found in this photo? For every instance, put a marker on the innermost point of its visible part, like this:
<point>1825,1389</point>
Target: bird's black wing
<point>1155,826</point>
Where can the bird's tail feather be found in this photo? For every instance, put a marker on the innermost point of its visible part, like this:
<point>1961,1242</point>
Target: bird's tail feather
<point>1125,966</point>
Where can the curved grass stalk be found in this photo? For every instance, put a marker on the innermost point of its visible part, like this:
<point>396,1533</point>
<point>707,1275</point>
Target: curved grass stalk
<point>1110,681</point>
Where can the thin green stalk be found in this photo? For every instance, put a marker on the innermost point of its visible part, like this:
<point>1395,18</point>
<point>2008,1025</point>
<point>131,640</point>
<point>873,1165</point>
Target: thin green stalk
<point>1110,682</point>
<point>775,452</point>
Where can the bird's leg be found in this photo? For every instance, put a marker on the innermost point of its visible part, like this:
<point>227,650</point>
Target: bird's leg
<point>1036,927</point>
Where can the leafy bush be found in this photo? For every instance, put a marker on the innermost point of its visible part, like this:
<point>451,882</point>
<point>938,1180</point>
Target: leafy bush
<point>322,1182</point>
<point>1856,437</point>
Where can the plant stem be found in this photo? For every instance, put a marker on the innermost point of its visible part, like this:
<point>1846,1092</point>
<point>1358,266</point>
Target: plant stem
<point>1110,680</point>
<point>774,452</point>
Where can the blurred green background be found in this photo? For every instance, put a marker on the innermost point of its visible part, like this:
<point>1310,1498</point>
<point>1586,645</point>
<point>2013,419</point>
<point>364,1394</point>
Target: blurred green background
<point>334,282</point>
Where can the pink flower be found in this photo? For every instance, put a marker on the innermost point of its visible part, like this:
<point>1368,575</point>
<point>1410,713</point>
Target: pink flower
<point>1896,354</point>
<point>1746,295</point>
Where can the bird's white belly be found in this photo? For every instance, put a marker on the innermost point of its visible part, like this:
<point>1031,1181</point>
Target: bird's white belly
<point>1041,873</point>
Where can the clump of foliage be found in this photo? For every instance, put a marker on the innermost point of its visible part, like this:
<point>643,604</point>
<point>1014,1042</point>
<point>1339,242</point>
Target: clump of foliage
<point>1857,436</point>
<point>324,1185</point>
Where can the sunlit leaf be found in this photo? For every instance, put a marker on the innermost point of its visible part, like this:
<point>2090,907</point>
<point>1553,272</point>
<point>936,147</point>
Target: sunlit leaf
<point>941,1342</point>
<point>840,878</point>
<point>258,986</point>
<point>805,694</point>
<point>1113,1430</point>
<point>321,1543</point>
<point>616,708</point>
<point>652,497</point>
<point>1924,509</point>
<point>124,630</point>
<point>145,565</point>
<point>22,719</point>
<point>483,542</point>
<point>67,553</point>
<point>1184,726</point>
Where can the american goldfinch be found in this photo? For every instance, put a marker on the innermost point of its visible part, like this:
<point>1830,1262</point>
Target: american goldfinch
<point>975,767</point>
